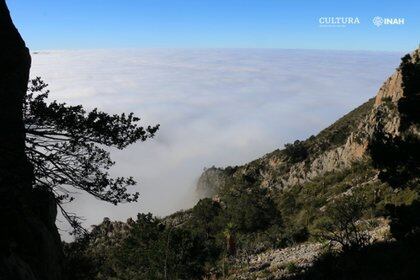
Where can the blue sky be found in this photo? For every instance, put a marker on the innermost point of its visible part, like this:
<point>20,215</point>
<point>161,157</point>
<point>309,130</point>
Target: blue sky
<point>89,24</point>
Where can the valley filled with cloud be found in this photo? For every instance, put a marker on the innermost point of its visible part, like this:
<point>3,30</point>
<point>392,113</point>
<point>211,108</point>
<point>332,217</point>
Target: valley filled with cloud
<point>215,106</point>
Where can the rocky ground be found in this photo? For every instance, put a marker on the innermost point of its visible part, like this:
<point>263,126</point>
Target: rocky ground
<point>277,264</point>
<point>284,263</point>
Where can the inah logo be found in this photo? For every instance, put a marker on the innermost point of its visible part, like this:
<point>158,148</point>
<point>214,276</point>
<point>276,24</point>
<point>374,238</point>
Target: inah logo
<point>378,21</point>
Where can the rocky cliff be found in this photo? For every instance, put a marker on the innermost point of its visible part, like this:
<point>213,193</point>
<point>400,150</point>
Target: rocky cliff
<point>30,246</point>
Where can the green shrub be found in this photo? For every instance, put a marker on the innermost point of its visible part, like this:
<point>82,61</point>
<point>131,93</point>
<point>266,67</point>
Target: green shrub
<point>296,152</point>
<point>250,209</point>
<point>206,217</point>
<point>291,267</point>
<point>341,223</point>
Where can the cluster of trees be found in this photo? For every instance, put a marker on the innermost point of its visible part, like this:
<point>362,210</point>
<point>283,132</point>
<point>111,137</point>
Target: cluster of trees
<point>152,250</point>
<point>155,249</point>
<point>231,220</point>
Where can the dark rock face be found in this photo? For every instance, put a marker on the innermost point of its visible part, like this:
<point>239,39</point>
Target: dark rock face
<point>30,246</point>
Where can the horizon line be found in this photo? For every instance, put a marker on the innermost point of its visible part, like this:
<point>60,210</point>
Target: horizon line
<point>34,51</point>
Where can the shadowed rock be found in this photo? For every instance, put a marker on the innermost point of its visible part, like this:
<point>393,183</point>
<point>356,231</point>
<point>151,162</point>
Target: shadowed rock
<point>30,246</point>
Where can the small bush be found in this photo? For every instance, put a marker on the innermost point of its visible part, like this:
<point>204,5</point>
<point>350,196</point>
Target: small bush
<point>341,223</point>
<point>296,152</point>
<point>291,267</point>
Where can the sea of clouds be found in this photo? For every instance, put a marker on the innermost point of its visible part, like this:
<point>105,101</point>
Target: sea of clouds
<point>215,106</point>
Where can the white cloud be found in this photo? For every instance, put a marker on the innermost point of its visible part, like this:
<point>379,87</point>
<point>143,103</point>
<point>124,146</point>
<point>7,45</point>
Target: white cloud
<point>215,107</point>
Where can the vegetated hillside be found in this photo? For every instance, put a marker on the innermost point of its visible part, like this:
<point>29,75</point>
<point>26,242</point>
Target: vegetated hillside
<point>318,209</point>
<point>299,161</point>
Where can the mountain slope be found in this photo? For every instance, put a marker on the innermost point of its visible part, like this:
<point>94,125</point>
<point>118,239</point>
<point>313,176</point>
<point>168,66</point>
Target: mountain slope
<point>264,220</point>
<point>334,148</point>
